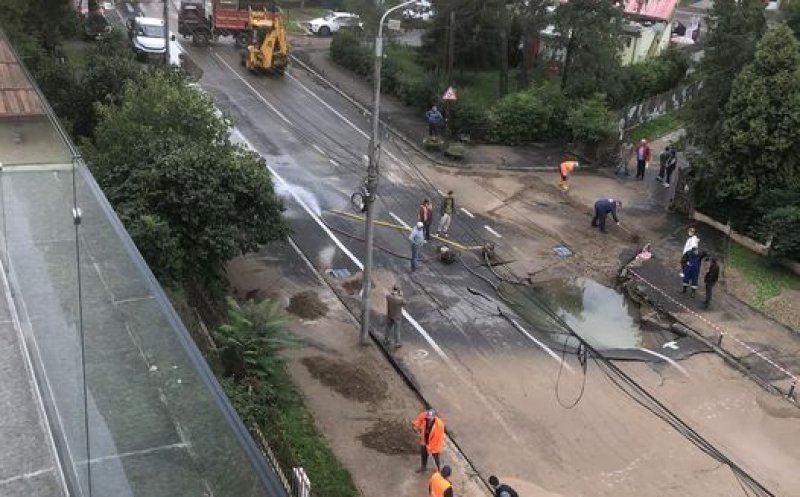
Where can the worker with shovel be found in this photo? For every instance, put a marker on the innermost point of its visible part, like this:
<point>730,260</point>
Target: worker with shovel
<point>602,208</point>
<point>431,431</point>
<point>565,169</point>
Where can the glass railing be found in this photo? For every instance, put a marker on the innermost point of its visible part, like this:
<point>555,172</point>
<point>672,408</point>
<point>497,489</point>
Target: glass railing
<point>133,406</point>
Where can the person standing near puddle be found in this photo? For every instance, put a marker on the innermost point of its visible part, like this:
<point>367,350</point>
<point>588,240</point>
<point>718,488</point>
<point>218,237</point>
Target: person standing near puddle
<point>710,279</point>
<point>431,442</point>
<point>417,240</point>
<point>394,317</point>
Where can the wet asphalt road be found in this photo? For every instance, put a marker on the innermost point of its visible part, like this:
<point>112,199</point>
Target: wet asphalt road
<point>493,383</point>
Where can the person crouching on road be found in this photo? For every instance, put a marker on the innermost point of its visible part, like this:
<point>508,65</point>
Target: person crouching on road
<point>431,442</point>
<point>439,484</point>
<point>417,239</point>
<point>602,208</point>
<point>394,317</point>
<point>690,262</point>
<point>448,210</point>
<point>565,169</point>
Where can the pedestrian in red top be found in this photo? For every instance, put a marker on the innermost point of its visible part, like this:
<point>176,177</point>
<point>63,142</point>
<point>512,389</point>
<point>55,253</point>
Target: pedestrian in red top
<point>426,217</point>
<point>642,158</point>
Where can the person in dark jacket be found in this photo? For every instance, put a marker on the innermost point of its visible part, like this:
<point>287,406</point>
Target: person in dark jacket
<point>435,120</point>
<point>690,264</point>
<point>602,208</point>
<point>501,489</point>
<point>710,279</point>
<point>394,317</point>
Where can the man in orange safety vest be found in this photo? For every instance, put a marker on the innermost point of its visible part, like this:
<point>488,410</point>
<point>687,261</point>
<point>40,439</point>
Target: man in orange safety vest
<point>439,484</point>
<point>565,169</point>
<point>431,431</point>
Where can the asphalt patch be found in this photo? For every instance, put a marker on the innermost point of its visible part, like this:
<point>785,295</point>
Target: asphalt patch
<point>391,437</point>
<point>349,380</point>
<point>307,305</point>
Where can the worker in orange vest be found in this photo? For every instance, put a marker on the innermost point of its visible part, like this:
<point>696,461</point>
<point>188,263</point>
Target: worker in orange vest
<point>565,169</point>
<point>439,485</point>
<point>431,431</point>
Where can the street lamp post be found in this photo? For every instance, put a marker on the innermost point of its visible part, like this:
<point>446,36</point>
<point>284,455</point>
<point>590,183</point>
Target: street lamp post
<point>372,177</point>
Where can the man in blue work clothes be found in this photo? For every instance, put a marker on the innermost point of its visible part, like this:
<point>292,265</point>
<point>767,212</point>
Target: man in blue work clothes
<point>435,120</point>
<point>603,208</point>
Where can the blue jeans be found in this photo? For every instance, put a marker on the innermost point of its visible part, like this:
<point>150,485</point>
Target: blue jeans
<point>416,256</point>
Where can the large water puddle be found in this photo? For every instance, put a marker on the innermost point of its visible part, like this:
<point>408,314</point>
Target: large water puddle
<point>599,314</point>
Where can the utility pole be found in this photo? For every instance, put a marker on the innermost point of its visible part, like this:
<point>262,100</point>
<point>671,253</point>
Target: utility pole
<point>372,178</point>
<point>503,15</point>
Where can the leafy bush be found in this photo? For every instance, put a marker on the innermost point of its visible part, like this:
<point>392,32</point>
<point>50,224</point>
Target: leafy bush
<point>468,117</point>
<point>528,116</point>
<point>590,120</point>
<point>348,51</point>
<point>784,223</point>
<point>657,75</point>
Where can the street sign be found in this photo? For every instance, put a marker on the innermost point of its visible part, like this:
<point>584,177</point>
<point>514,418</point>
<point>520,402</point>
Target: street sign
<point>393,24</point>
<point>450,94</point>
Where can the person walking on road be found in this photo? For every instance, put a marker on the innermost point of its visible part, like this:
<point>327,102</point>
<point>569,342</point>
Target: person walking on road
<point>394,317</point>
<point>435,120</point>
<point>602,208</point>
<point>565,169</point>
<point>672,163</point>
<point>690,262</point>
<point>439,484</point>
<point>431,442</point>
<point>448,210</point>
<point>710,279</point>
<point>425,216</point>
<point>501,489</point>
<point>417,239</point>
<point>642,158</point>
<point>662,164</point>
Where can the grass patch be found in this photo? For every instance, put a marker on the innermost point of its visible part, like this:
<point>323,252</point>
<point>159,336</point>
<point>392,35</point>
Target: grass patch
<point>768,279</point>
<point>656,128</point>
<point>297,16</point>
<point>76,53</point>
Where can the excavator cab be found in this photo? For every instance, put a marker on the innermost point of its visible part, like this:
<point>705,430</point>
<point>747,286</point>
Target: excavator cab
<point>268,49</point>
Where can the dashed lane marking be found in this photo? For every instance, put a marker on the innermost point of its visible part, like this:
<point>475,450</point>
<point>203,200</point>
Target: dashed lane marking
<point>318,148</point>
<point>468,213</point>
<point>333,163</point>
<point>255,92</point>
<point>490,230</point>
<point>400,220</point>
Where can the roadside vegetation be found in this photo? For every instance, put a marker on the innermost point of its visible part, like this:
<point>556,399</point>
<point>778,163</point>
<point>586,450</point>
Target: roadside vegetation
<point>767,278</point>
<point>656,128</point>
<point>509,99</point>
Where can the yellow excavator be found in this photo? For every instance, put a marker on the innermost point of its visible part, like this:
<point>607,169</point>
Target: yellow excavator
<point>268,50</point>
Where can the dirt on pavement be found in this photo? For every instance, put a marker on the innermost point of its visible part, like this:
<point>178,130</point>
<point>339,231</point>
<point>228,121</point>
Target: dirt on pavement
<point>307,305</point>
<point>391,437</point>
<point>350,380</point>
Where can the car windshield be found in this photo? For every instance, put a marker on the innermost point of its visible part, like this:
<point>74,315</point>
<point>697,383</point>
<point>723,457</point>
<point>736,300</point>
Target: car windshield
<point>330,16</point>
<point>150,31</point>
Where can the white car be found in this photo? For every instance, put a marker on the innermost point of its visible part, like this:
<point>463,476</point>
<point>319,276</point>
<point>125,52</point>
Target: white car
<point>333,22</point>
<point>420,11</point>
<point>147,36</point>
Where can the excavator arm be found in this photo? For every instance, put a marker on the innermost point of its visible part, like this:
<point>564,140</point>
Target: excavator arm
<point>272,52</point>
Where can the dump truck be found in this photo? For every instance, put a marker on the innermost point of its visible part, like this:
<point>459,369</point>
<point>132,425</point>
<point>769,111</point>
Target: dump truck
<point>268,50</point>
<point>206,20</point>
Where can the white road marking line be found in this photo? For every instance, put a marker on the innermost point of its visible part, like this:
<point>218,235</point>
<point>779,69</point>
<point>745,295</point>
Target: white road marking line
<point>399,220</point>
<point>333,162</point>
<point>665,358</point>
<point>255,92</point>
<point>26,476</point>
<point>490,230</point>
<point>440,192</point>
<point>141,452</point>
<point>431,342</point>
<point>318,148</point>
<point>541,345</point>
<point>468,213</point>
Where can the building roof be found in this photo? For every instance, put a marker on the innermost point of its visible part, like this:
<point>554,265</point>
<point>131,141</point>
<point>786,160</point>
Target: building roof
<point>657,10</point>
<point>17,96</point>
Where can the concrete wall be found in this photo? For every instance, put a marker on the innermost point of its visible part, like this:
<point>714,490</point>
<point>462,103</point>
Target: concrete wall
<point>657,106</point>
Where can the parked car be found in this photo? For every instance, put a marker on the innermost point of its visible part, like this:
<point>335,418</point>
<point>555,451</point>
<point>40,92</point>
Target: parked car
<point>420,11</point>
<point>147,36</point>
<point>333,22</point>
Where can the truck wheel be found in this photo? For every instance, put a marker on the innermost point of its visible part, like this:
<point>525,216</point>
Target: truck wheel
<point>324,31</point>
<point>242,40</point>
<point>201,38</point>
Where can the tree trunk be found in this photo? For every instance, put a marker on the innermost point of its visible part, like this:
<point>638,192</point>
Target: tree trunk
<point>567,61</point>
<point>451,47</point>
<point>503,49</point>
<point>526,62</point>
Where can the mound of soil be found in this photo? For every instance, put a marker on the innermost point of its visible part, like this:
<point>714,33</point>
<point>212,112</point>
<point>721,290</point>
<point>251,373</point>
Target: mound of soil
<point>351,381</point>
<point>307,305</point>
<point>391,437</point>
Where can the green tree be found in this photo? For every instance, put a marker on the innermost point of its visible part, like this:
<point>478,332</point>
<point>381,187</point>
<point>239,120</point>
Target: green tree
<point>791,15</point>
<point>760,138</point>
<point>590,33</point>
<point>734,28</point>
<point>590,121</point>
<point>163,152</point>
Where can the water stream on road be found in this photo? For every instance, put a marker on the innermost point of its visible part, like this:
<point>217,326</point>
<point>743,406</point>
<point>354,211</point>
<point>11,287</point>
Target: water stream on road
<point>602,316</point>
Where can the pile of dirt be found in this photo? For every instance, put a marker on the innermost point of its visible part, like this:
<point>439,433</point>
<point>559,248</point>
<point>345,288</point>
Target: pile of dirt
<point>349,380</point>
<point>391,437</point>
<point>352,285</point>
<point>307,305</point>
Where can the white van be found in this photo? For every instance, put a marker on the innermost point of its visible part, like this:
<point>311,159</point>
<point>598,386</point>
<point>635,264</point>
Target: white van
<point>147,36</point>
